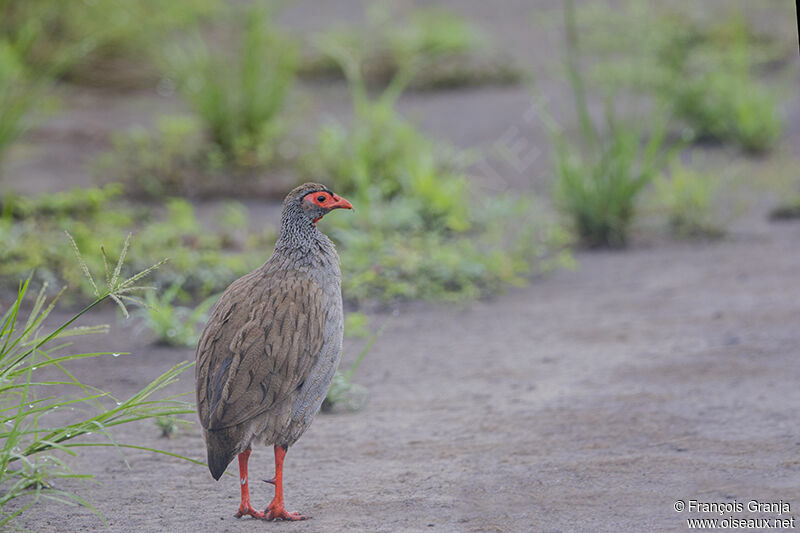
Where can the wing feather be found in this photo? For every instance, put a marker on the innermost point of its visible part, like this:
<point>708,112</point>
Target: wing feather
<point>259,345</point>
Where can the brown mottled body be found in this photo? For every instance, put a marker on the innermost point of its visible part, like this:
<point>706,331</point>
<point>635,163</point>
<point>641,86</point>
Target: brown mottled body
<point>273,342</point>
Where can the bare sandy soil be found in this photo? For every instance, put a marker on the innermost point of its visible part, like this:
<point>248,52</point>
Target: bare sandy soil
<point>591,400</point>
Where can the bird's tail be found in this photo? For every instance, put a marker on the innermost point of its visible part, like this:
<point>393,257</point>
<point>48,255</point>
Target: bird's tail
<point>222,445</point>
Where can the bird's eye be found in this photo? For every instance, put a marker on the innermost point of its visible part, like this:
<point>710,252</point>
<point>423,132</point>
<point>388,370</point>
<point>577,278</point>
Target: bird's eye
<point>320,199</point>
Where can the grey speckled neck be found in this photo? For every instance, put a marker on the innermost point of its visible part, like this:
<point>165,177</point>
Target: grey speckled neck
<point>301,245</point>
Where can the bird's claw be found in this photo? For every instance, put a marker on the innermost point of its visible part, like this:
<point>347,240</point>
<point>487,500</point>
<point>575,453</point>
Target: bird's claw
<point>248,511</point>
<point>279,513</point>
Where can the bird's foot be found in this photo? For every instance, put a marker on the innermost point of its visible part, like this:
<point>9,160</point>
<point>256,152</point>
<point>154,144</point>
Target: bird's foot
<point>247,510</point>
<point>278,512</point>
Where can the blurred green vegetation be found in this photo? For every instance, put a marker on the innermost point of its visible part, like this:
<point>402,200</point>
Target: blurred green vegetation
<point>711,87</point>
<point>205,259</point>
<point>18,94</point>
<point>600,175</point>
<point>787,210</point>
<point>599,179</point>
<point>239,91</point>
<point>174,159</point>
<point>105,43</point>
<point>687,196</point>
<point>388,251</point>
<point>706,72</point>
<point>421,230</point>
<point>91,42</point>
<point>418,232</point>
<point>355,325</point>
<point>168,425</point>
<point>382,158</point>
<point>344,394</point>
<point>688,79</point>
<point>174,325</point>
<point>442,48</point>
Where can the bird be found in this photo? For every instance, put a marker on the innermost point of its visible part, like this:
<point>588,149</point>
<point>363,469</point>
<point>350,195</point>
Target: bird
<point>271,347</point>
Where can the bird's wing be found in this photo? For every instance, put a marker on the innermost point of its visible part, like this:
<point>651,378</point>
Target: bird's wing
<point>259,345</point>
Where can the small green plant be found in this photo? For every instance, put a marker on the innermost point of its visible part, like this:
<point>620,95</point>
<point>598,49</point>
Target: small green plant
<point>35,442</point>
<point>355,325</point>
<point>686,196</point>
<point>599,178</point>
<point>240,96</point>
<point>175,159</point>
<point>383,158</point>
<point>720,100</point>
<point>168,425</point>
<point>173,325</point>
<point>344,394</point>
<point>598,186</point>
<point>442,48</point>
<point>711,86</point>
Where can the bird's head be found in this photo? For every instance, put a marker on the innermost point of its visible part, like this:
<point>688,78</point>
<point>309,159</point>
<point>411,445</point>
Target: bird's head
<point>313,201</point>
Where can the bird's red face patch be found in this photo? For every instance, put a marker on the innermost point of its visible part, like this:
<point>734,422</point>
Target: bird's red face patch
<point>320,198</point>
<point>326,200</point>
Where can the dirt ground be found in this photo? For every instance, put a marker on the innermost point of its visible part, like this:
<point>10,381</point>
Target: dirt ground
<point>590,400</point>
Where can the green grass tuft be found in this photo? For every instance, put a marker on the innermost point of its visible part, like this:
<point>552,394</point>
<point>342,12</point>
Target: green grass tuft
<point>355,325</point>
<point>174,325</point>
<point>168,425</point>
<point>687,197</point>
<point>708,73</point>
<point>35,441</point>
<point>721,101</point>
<point>598,187</point>
<point>344,394</point>
<point>239,94</point>
<point>600,177</point>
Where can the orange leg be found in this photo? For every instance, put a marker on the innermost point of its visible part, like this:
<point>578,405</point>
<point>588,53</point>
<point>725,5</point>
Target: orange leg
<point>275,510</point>
<point>245,508</point>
